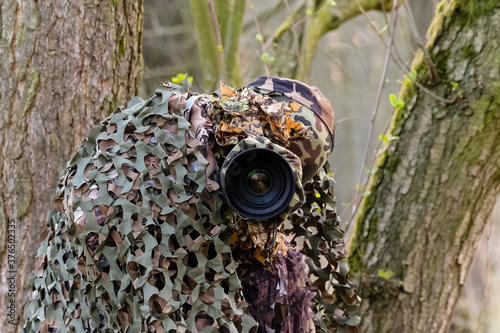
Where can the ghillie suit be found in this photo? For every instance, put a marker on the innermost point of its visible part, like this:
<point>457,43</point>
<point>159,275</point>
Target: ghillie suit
<point>144,240</point>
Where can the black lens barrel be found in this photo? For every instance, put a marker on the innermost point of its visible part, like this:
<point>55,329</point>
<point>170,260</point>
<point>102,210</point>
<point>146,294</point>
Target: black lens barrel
<point>258,183</point>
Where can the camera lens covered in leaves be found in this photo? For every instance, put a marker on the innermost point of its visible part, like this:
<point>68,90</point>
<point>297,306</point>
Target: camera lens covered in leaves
<point>258,183</point>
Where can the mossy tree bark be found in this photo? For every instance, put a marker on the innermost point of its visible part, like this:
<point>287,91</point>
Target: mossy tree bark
<point>436,185</point>
<point>64,66</point>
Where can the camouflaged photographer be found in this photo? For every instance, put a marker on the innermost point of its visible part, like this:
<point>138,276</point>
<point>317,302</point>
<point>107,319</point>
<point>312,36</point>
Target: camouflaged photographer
<point>191,212</point>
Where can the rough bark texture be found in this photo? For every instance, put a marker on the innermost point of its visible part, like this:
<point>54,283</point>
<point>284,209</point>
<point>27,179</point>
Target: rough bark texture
<point>437,184</point>
<point>64,66</point>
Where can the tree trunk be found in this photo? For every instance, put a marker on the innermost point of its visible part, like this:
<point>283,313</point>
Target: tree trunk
<point>64,66</point>
<point>217,59</point>
<point>437,183</point>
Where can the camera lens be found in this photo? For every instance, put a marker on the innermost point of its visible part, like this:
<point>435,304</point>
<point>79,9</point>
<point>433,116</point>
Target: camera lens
<point>258,183</point>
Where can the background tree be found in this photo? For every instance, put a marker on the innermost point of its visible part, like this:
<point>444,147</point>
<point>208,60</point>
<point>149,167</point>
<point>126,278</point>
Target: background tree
<point>65,65</point>
<point>293,44</point>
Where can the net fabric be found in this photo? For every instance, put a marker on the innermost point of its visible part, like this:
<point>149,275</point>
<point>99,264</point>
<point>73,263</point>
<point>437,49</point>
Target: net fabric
<point>142,240</point>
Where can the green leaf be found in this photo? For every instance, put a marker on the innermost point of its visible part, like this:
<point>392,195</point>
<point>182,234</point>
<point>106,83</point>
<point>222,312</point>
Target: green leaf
<point>389,137</point>
<point>385,274</point>
<point>265,57</point>
<point>383,29</point>
<point>181,77</point>
<point>259,37</point>
<point>332,3</point>
<point>220,48</point>
<point>393,99</point>
<point>309,11</point>
<point>413,74</point>
<point>367,193</point>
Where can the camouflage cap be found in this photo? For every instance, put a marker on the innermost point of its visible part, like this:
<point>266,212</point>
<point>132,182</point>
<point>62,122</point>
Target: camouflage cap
<point>302,93</point>
<point>315,112</point>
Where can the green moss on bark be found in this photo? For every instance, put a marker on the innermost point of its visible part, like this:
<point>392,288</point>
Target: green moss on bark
<point>23,189</point>
<point>121,45</point>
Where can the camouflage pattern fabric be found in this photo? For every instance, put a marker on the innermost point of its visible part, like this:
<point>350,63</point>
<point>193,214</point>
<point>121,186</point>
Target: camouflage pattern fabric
<point>316,226</point>
<point>142,240</point>
<point>302,93</point>
<point>315,112</point>
<point>139,247</point>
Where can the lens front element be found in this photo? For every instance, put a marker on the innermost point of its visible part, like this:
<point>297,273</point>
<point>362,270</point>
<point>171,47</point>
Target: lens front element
<point>258,183</point>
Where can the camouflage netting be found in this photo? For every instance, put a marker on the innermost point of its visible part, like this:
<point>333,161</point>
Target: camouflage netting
<point>143,241</point>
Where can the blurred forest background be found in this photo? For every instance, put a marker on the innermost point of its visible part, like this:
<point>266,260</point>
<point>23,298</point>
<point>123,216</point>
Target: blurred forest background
<point>347,69</point>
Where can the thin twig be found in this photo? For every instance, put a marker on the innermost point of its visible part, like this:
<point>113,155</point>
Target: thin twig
<point>263,47</point>
<point>432,67</point>
<point>413,23</point>
<point>420,42</point>
<point>265,15</point>
<point>407,40</point>
<point>385,13</point>
<point>433,95</point>
<point>341,120</point>
<point>219,41</point>
<point>400,63</point>
<point>375,109</point>
<point>328,54</point>
<point>378,150</point>
<point>293,27</point>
